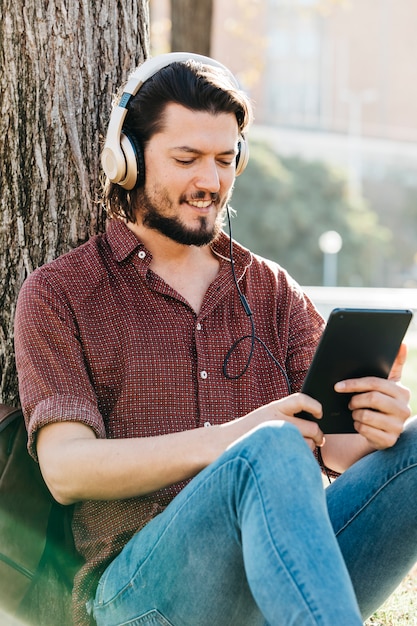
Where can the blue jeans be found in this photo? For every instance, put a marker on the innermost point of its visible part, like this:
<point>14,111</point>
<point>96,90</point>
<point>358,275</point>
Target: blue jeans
<point>255,540</point>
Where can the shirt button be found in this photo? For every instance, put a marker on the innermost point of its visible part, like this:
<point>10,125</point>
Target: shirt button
<point>199,326</point>
<point>203,374</point>
<point>142,254</point>
<point>207,424</point>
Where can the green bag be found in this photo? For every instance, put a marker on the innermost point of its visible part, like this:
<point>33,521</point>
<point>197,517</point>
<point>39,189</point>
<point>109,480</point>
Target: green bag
<point>34,528</point>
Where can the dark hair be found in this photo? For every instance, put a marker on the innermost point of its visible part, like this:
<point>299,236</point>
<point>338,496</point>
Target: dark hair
<point>193,85</point>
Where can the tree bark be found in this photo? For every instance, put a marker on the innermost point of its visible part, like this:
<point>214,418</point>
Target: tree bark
<point>191,26</point>
<point>60,65</point>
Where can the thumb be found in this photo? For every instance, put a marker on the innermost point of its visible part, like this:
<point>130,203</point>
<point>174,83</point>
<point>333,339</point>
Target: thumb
<point>397,367</point>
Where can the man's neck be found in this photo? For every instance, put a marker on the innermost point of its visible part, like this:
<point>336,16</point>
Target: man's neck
<point>187,269</point>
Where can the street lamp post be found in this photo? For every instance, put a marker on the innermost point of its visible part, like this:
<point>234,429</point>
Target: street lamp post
<point>330,244</point>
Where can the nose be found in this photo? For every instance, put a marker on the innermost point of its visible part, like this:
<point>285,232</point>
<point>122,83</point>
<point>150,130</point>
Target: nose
<point>208,177</point>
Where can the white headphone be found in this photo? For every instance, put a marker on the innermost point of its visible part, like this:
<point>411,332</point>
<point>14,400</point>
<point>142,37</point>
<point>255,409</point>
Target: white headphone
<point>122,158</point>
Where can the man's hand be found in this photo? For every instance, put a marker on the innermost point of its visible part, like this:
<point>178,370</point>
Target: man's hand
<point>284,409</point>
<point>379,407</point>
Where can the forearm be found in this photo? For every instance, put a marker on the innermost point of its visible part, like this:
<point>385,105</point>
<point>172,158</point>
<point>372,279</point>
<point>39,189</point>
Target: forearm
<point>77,466</point>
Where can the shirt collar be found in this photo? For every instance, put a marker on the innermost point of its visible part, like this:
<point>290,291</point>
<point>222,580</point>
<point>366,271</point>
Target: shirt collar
<point>122,241</point>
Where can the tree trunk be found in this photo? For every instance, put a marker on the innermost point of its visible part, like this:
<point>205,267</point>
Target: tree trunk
<point>60,64</point>
<point>191,26</point>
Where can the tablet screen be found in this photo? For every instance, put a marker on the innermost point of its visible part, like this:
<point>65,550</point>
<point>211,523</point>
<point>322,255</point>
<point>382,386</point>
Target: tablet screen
<point>355,343</point>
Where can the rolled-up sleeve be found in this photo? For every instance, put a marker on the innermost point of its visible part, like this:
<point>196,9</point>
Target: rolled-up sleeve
<point>54,383</point>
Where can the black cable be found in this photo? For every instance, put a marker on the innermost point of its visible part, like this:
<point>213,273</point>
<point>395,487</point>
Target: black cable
<point>323,466</point>
<point>252,336</point>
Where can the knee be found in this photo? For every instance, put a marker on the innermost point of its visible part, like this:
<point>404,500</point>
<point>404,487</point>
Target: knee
<point>274,442</point>
<point>274,433</point>
<point>277,454</point>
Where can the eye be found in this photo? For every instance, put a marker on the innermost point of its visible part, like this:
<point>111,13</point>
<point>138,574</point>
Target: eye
<point>184,161</point>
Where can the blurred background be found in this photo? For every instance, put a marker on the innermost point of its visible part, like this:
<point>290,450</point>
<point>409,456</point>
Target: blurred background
<point>330,191</point>
<point>334,144</point>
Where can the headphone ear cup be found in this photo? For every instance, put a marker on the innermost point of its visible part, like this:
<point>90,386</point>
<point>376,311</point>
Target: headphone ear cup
<point>243,156</point>
<point>135,162</point>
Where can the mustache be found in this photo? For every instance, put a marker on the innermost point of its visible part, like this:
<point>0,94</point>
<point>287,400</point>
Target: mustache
<point>201,195</point>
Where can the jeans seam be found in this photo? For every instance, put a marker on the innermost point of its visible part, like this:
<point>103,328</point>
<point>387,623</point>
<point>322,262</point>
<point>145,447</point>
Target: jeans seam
<point>253,474</point>
<point>276,549</point>
<point>196,490</point>
<point>161,536</point>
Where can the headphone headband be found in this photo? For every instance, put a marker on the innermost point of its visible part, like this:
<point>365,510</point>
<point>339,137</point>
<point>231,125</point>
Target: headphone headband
<point>152,66</point>
<point>120,157</point>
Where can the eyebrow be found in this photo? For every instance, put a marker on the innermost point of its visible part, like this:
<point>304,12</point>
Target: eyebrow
<point>191,150</point>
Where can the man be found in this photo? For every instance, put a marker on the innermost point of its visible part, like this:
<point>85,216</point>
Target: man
<point>160,372</point>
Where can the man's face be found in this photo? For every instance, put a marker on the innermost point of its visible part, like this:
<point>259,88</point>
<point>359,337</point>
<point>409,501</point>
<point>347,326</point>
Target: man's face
<point>189,175</point>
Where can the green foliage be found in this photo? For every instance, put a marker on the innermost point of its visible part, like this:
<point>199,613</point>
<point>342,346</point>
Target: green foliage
<point>284,205</point>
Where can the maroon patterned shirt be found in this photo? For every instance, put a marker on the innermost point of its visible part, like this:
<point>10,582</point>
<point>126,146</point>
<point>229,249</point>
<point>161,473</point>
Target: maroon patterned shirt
<point>101,339</point>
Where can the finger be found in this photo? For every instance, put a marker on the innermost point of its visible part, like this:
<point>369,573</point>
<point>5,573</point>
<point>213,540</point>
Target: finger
<point>397,368</point>
<point>396,404</point>
<point>380,418</point>
<point>311,443</point>
<point>309,430</point>
<point>382,412</point>
<point>388,422</point>
<point>370,383</point>
<point>379,439</point>
<point>293,405</point>
<point>303,402</point>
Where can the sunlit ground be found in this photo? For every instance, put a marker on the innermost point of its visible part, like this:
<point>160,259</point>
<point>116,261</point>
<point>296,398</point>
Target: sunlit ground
<point>401,607</point>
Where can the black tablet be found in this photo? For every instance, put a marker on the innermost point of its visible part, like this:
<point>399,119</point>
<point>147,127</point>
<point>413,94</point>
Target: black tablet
<point>355,343</point>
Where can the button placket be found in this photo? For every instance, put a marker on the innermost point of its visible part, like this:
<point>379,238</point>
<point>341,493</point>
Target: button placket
<point>204,391</point>
<point>203,373</point>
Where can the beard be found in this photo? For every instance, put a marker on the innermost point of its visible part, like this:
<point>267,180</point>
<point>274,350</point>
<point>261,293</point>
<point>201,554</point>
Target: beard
<point>172,227</point>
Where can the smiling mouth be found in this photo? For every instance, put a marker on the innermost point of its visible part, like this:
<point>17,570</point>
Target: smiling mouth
<point>201,200</point>
<point>200,204</point>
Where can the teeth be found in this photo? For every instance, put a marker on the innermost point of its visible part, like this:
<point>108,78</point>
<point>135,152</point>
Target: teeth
<point>200,204</point>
